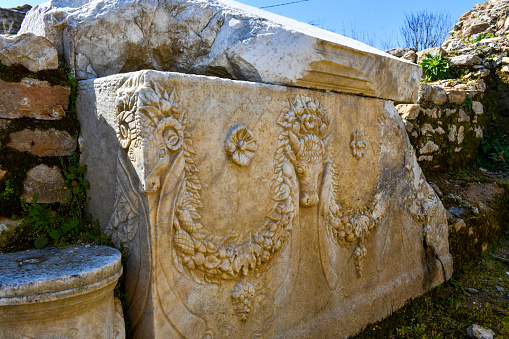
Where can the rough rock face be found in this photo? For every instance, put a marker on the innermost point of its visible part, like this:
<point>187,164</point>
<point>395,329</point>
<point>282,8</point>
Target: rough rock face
<point>48,143</point>
<point>33,99</point>
<point>11,18</point>
<point>47,183</point>
<point>253,209</point>
<point>445,126</point>
<point>221,38</point>
<point>34,52</point>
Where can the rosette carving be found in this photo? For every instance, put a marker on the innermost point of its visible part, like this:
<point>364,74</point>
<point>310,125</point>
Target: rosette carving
<point>240,145</point>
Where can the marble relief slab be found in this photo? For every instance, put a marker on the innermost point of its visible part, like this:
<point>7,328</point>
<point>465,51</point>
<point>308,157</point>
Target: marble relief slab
<point>254,210</point>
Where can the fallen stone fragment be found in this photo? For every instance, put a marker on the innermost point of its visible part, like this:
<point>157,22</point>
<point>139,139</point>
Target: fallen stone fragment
<point>220,38</point>
<point>465,60</point>
<point>49,143</point>
<point>34,52</point>
<point>33,98</point>
<point>47,183</point>
<point>456,211</point>
<point>478,332</point>
<point>472,290</point>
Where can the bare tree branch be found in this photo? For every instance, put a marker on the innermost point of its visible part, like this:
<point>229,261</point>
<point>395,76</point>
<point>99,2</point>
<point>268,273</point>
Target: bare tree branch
<point>423,29</point>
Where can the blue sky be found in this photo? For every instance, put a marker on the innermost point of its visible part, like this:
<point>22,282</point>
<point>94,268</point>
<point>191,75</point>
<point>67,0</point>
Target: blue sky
<point>374,19</point>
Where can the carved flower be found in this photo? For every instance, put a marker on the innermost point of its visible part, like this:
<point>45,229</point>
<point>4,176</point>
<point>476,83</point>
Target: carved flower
<point>240,145</point>
<point>357,144</point>
<point>125,133</point>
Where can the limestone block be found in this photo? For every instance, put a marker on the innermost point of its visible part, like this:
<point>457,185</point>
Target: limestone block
<point>221,38</point>
<point>463,116</point>
<point>34,52</point>
<point>477,107</point>
<point>430,147</point>
<point>435,94</point>
<point>456,96</point>
<point>59,293</point>
<point>465,60</point>
<point>476,28</point>
<point>410,56</point>
<point>49,143</point>
<point>409,111</point>
<point>33,98</point>
<point>258,210</point>
<point>47,182</point>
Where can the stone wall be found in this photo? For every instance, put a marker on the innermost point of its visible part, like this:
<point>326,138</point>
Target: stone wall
<point>38,129</point>
<point>446,125</point>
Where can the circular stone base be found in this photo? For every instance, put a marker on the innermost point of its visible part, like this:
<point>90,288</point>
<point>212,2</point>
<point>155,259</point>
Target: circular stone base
<point>59,293</point>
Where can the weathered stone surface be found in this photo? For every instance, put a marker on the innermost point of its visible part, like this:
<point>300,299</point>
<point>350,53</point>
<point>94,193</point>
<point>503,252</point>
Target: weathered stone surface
<point>47,183</point>
<point>11,18</point>
<point>410,56</point>
<point>478,332</point>
<point>456,96</point>
<point>399,51</point>
<point>34,52</point>
<point>33,98</point>
<point>59,293</point>
<point>222,38</point>
<point>464,60</point>
<point>476,28</point>
<point>477,107</point>
<point>49,143</point>
<point>435,94</point>
<point>258,209</point>
<point>409,111</point>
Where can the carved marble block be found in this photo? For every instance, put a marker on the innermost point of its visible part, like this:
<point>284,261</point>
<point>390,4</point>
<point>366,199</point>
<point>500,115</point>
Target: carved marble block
<point>254,210</point>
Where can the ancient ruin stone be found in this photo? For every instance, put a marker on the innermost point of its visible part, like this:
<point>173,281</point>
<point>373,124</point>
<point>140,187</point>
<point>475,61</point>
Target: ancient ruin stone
<point>34,52</point>
<point>59,293</point>
<point>33,98</point>
<point>47,183</point>
<point>49,143</point>
<point>10,19</point>
<point>221,38</point>
<point>331,209</point>
<point>456,96</point>
<point>464,60</point>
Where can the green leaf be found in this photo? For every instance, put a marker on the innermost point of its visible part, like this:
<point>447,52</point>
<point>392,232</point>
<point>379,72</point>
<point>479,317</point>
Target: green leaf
<point>55,234</point>
<point>40,242</point>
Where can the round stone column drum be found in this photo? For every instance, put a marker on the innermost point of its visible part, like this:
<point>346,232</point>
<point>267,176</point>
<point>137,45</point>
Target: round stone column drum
<point>59,293</point>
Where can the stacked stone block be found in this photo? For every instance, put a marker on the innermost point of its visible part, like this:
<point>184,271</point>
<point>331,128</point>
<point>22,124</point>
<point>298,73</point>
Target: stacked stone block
<point>446,125</point>
<point>37,127</point>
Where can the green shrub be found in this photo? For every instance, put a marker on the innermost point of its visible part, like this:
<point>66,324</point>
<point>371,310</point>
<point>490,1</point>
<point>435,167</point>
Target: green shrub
<point>435,67</point>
